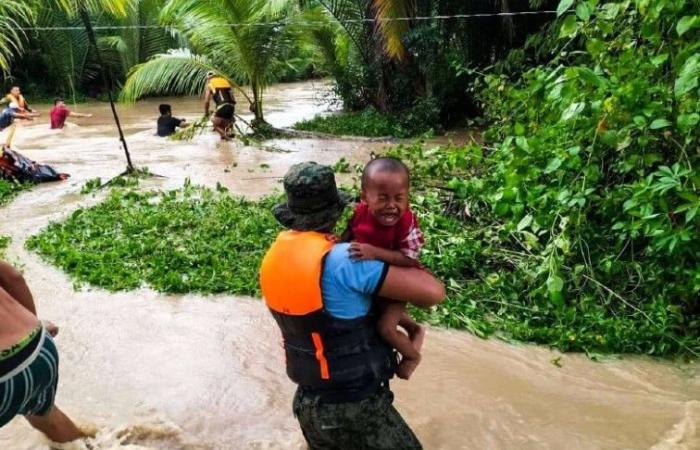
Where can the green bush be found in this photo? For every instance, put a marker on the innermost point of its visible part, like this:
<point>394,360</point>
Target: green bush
<point>421,119</point>
<point>583,222</point>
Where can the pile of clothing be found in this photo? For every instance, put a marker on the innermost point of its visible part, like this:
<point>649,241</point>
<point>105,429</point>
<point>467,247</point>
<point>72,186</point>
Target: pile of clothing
<point>17,167</point>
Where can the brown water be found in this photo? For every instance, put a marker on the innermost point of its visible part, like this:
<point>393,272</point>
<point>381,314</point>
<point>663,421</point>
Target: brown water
<point>146,370</point>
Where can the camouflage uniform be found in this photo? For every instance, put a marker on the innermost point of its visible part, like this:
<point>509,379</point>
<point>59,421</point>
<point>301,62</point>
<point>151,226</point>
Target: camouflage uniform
<point>372,423</point>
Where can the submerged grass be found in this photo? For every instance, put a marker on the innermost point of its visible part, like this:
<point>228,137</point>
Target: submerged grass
<point>10,189</point>
<point>4,243</point>
<point>190,240</point>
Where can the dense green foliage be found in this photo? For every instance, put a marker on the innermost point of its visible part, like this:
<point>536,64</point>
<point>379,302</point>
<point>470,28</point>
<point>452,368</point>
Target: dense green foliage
<point>416,121</point>
<point>190,240</point>
<point>13,14</point>
<point>132,32</point>
<point>582,224</point>
<point>245,53</point>
<point>575,224</point>
<point>392,66</point>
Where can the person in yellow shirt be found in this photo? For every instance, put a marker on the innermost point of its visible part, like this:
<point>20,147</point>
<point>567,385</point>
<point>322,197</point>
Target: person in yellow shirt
<point>220,90</point>
<point>15,96</point>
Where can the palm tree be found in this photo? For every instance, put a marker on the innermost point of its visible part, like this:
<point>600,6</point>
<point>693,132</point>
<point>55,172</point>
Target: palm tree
<point>392,31</point>
<point>139,42</point>
<point>65,52</point>
<point>13,15</point>
<point>410,59</point>
<point>244,41</point>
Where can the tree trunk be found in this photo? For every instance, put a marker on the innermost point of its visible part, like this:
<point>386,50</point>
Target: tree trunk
<point>257,107</point>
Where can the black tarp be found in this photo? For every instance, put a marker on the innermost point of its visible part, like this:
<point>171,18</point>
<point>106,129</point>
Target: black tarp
<point>15,166</point>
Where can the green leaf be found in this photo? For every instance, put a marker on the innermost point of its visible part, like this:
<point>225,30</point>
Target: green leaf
<point>524,222</point>
<point>553,165</point>
<point>686,23</point>
<point>659,123</point>
<point>555,283</point>
<point>564,6</point>
<point>688,78</point>
<point>572,111</point>
<point>584,11</point>
<point>687,121</point>
<point>569,27</point>
<point>595,46</point>
<point>659,59</point>
<point>521,142</point>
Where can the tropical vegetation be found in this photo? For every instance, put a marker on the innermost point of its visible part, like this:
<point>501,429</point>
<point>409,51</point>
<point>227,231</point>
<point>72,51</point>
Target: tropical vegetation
<point>573,223</point>
<point>154,47</point>
<point>369,122</point>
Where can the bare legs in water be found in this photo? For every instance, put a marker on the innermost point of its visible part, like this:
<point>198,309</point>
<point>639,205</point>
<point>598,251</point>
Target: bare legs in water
<point>17,307</point>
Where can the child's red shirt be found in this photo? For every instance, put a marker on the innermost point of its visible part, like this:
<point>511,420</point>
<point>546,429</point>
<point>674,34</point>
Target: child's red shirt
<point>405,236</point>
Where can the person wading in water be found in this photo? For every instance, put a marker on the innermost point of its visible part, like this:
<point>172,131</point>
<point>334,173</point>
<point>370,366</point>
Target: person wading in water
<point>322,302</point>
<point>28,362</point>
<point>15,95</point>
<point>21,108</point>
<point>221,91</point>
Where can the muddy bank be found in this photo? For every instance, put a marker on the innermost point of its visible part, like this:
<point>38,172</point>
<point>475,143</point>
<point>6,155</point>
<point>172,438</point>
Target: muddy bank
<point>148,370</point>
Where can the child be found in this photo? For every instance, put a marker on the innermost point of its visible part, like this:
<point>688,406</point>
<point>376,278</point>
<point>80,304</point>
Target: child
<point>383,227</point>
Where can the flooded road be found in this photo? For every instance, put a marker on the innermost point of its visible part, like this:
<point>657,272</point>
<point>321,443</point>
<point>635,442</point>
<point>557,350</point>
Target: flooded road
<point>152,371</point>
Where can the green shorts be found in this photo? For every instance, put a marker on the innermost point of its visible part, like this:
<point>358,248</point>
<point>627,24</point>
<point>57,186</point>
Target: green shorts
<point>369,424</point>
<point>28,387</point>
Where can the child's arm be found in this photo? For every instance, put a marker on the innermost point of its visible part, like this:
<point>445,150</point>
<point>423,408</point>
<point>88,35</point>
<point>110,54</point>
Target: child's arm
<point>347,235</point>
<point>361,252</point>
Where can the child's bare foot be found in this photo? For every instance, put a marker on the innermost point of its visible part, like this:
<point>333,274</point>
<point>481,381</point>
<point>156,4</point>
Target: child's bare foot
<point>407,367</point>
<point>51,327</point>
<point>418,337</point>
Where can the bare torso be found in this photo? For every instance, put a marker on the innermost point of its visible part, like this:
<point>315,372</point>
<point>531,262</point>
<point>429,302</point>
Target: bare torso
<point>16,321</point>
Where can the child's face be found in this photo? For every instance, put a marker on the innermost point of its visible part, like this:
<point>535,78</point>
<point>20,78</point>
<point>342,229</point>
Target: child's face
<point>386,195</point>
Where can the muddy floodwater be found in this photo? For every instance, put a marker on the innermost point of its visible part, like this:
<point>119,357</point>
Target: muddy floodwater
<point>152,371</point>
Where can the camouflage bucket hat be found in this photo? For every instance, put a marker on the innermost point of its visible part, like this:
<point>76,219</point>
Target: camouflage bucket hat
<point>314,202</point>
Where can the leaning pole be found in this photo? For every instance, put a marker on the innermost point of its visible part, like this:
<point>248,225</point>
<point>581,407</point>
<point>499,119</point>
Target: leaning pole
<point>107,81</point>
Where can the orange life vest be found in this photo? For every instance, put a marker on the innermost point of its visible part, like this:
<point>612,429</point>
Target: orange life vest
<point>342,358</point>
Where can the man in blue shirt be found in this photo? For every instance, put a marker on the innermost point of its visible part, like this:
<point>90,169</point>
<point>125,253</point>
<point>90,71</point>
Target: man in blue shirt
<point>322,302</point>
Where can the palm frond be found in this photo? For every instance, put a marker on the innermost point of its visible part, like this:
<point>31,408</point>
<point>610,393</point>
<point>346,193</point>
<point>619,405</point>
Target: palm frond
<point>176,72</point>
<point>117,8</point>
<point>66,52</point>
<point>13,15</point>
<point>391,31</point>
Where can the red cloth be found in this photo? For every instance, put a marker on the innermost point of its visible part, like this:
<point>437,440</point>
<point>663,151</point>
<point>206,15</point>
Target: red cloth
<point>405,236</point>
<point>58,114</point>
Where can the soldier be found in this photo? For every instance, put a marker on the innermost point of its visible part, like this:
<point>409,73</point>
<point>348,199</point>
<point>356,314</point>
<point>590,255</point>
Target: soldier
<point>334,353</point>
